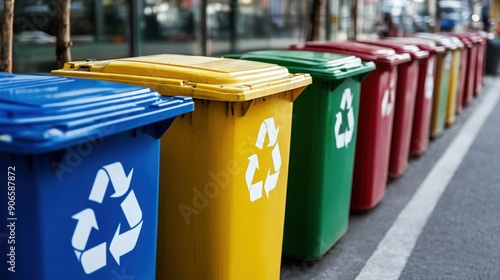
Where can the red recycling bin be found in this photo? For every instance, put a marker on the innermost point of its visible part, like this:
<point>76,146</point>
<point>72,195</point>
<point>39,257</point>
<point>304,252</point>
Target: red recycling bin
<point>378,96</point>
<point>462,84</point>
<point>481,56</point>
<point>406,93</point>
<point>425,88</point>
<point>472,41</point>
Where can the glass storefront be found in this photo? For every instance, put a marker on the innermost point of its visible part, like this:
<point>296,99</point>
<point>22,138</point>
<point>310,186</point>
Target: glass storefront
<point>170,26</point>
<point>104,29</point>
<point>99,30</point>
<point>338,20</point>
<point>229,26</point>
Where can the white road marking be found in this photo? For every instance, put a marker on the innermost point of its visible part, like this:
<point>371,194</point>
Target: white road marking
<point>392,253</point>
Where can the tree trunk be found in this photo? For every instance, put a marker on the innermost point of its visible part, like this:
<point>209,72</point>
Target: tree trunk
<point>437,18</point>
<point>7,30</point>
<point>315,20</point>
<point>353,28</point>
<point>63,43</point>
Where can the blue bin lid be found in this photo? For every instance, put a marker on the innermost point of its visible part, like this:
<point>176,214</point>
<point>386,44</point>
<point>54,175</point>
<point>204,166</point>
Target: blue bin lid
<point>11,80</point>
<point>42,113</point>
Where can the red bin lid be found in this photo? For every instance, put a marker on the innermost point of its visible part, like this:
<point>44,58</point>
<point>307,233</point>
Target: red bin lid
<point>440,39</point>
<point>466,40</point>
<point>423,44</point>
<point>400,47</point>
<point>485,35</point>
<point>473,37</point>
<point>457,41</point>
<point>377,54</point>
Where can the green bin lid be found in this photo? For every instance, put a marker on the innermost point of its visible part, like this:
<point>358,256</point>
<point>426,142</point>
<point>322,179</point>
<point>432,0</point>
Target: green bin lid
<point>320,65</point>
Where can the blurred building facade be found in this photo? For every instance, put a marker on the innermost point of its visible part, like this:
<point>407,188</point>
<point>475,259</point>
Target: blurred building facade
<point>105,29</point>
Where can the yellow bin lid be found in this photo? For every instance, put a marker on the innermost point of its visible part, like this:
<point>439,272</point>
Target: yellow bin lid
<point>200,77</point>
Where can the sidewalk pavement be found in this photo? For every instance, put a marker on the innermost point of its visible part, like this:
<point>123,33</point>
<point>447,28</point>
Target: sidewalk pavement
<point>448,208</point>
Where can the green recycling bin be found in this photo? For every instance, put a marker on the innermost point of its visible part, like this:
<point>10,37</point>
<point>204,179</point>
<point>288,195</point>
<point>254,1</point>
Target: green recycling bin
<point>322,148</point>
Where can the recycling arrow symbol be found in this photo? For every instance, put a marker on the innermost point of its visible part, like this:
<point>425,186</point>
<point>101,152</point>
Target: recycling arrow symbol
<point>343,139</point>
<point>95,258</point>
<point>388,99</point>
<point>268,128</point>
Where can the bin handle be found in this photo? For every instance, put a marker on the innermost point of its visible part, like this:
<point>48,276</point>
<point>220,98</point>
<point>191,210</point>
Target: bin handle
<point>6,138</point>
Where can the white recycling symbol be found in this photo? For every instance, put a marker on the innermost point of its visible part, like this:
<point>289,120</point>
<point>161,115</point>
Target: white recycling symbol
<point>267,127</point>
<point>94,258</point>
<point>343,139</point>
<point>388,99</point>
<point>429,80</point>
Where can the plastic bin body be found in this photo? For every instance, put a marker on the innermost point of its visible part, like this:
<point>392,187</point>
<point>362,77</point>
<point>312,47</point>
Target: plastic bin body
<point>472,66</point>
<point>473,42</point>
<point>440,99</point>
<point>222,201</point>
<point>472,58</point>
<point>470,76</point>
<point>425,91</point>
<point>481,56</point>
<point>406,94</point>
<point>462,77</point>
<point>443,82</point>
<point>453,88</point>
<point>321,158</point>
<point>376,114</point>
<point>455,84</point>
<point>82,177</point>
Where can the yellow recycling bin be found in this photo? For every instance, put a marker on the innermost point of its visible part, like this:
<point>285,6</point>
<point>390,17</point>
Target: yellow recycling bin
<point>456,60</point>
<point>224,167</point>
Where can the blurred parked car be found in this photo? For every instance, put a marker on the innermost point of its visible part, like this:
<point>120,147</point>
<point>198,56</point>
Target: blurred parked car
<point>34,37</point>
<point>37,15</point>
<point>455,14</point>
<point>423,22</point>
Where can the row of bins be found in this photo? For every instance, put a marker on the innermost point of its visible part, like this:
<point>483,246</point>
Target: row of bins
<point>268,154</point>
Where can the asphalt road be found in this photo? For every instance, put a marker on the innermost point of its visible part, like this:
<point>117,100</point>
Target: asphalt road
<point>448,209</point>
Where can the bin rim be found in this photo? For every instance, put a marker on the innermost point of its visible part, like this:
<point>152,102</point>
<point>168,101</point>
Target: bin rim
<point>441,40</point>
<point>487,36</point>
<point>200,77</point>
<point>460,44</point>
<point>472,37</point>
<point>379,55</point>
<point>321,65</point>
<point>45,117</point>
<point>466,41</point>
<point>16,79</point>
<point>425,44</point>
<point>400,47</point>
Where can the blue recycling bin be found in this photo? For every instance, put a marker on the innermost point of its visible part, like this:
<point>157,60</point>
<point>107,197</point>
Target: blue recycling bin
<point>79,163</point>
